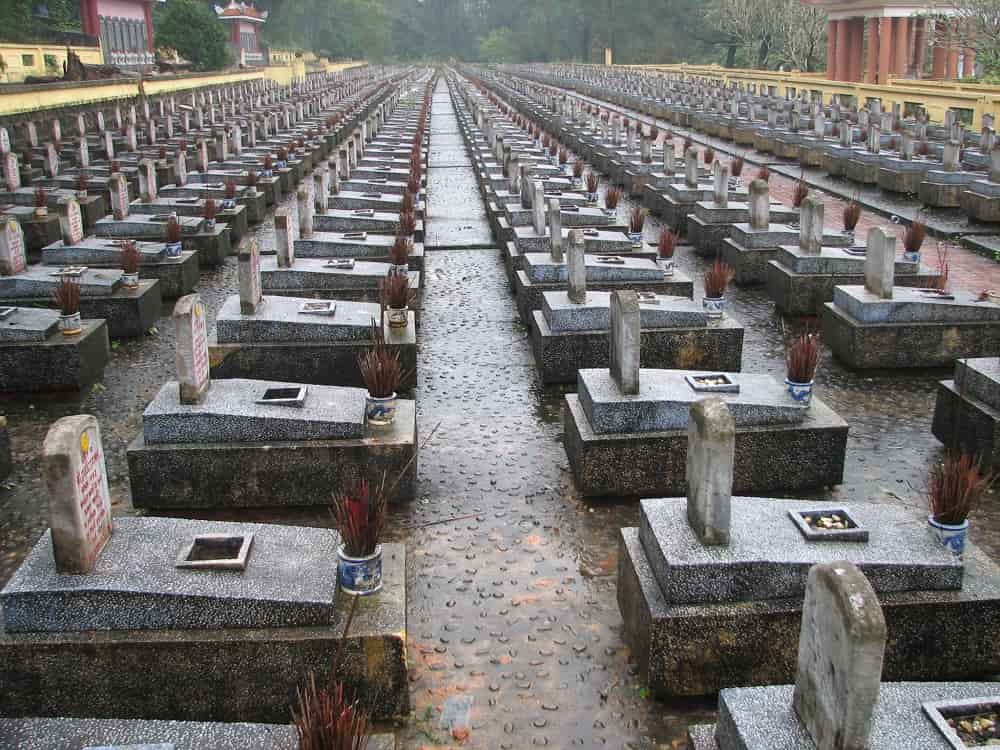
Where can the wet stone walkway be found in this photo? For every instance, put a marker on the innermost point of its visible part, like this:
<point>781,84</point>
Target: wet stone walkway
<point>511,575</point>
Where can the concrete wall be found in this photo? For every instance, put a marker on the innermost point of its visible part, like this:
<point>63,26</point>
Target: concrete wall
<point>15,71</point>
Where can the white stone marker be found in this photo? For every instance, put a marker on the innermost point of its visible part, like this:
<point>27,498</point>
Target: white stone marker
<point>71,222</point>
<point>147,180</point>
<point>811,218</point>
<point>526,187</point>
<point>180,168</point>
<point>82,153</point>
<point>555,230</point>
<point>191,355</point>
<point>880,263</point>
<point>11,171</point>
<point>538,207</point>
<point>625,341</point>
<point>710,458</point>
<point>79,497</point>
<point>691,168</point>
<point>576,267</point>
<point>284,237</point>
<point>720,184</point>
<point>760,205</point>
<point>13,259</point>
<point>304,204</point>
<point>251,296</point>
<point>118,188</point>
<point>321,190</point>
<point>841,645</point>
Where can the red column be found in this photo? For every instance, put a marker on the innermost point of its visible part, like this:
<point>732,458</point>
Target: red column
<point>234,33</point>
<point>831,50</point>
<point>884,49</point>
<point>857,45</point>
<point>90,22</point>
<point>919,47</point>
<point>843,42</point>
<point>969,63</point>
<point>147,9</point>
<point>871,68</point>
<point>951,70</point>
<point>901,45</point>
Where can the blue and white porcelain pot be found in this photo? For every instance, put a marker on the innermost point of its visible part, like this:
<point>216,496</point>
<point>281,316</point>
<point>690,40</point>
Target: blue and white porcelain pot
<point>174,249</point>
<point>380,412</point>
<point>911,257</point>
<point>801,393</point>
<point>636,238</point>
<point>952,537</point>
<point>714,307</point>
<point>360,576</point>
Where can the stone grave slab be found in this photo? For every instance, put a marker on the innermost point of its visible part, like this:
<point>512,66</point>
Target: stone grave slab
<point>564,315</point>
<point>229,413</point>
<point>280,319</point>
<point>33,362</point>
<point>914,306</point>
<point>27,324</point>
<point>665,398</point>
<point>41,281</point>
<point>768,557</point>
<point>541,269</point>
<point>135,584</point>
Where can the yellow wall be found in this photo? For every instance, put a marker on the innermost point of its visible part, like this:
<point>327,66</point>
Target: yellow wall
<point>936,96</point>
<point>16,70</point>
<point>19,99</point>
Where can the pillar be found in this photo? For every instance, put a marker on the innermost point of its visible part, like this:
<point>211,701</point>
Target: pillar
<point>901,46</point>
<point>939,55</point>
<point>885,29</point>
<point>969,63</point>
<point>951,69</point>
<point>831,50</point>
<point>843,51</point>
<point>89,20</point>
<point>147,9</point>
<point>871,67</point>
<point>857,45</point>
<point>919,46</point>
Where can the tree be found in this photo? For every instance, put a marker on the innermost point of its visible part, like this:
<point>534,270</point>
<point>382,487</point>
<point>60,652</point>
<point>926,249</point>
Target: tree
<point>498,47</point>
<point>769,31</point>
<point>191,28</point>
<point>972,24</point>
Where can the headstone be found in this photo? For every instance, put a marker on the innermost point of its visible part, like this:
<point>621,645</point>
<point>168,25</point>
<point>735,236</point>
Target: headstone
<point>555,230</point>
<point>625,341</point>
<point>669,157</point>
<point>760,204</point>
<point>811,218</point>
<point>995,164</point>
<point>251,296</point>
<point>79,496</point>
<point>71,222</point>
<point>880,263</point>
<point>180,168</point>
<point>4,141</point>
<point>720,184</point>
<point>12,256</point>
<point>841,647</point>
<point>131,139</point>
<point>284,235</point>
<point>710,459</point>
<point>538,207</point>
<point>576,267</point>
<point>202,147</point>
<point>147,180</point>
<point>11,171</point>
<point>304,204</point>
<point>51,160</point>
<point>109,145</point>
<point>56,130</point>
<point>691,168</point>
<point>527,189</point>
<point>951,157</point>
<point>192,348</point>
<point>321,190</point>
<point>118,188</point>
<point>82,153</point>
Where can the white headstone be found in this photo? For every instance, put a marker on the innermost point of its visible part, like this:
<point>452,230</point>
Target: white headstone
<point>304,204</point>
<point>284,235</point>
<point>880,263</point>
<point>180,168</point>
<point>710,459</point>
<point>71,222</point>
<point>11,171</point>
<point>4,141</point>
<point>576,269</point>
<point>191,355</point>
<point>79,496</point>
<point>841,648</point>
<point>625,341</point>
<point>811,217</point>
<point>555,230</point>
<point>251,296</point>
<point>760,204</point>
<point>13,259</point>
<point>118,187</point>
<point>147,180</point>
<point>538,207</point>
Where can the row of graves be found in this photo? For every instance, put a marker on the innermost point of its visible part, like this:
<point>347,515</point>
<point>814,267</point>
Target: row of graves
<point>881,307</point>
<point>108,276</point>
<point>900,152</point>
<point>698,570</point>
<point>175,633</point>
